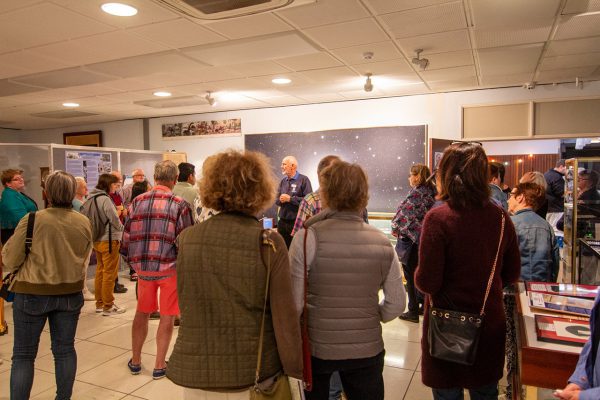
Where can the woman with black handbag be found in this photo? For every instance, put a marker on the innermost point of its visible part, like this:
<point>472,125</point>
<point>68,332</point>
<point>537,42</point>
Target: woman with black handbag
<point>406,227</point>
<point>467,254</point>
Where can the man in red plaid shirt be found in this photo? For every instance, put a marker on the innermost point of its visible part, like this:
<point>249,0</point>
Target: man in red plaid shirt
<point>155,220</point>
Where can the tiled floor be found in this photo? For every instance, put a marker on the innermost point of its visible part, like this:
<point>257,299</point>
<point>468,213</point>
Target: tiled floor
<point>103,347</point>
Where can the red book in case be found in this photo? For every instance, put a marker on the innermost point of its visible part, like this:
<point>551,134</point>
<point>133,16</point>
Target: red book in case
<point>572,332</point>
<point>564,289</point>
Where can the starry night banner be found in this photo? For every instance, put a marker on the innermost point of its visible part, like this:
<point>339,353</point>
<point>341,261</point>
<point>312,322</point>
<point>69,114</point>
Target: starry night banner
<point>386,155</point>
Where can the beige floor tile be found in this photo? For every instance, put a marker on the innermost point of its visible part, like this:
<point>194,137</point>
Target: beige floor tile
<point>402,354</point>
<point>94,324</point>
<point>6,344</point>
<point>130,397</point>
<point>115,375</point>
<point>150,346</point>
<point>160,389</point>
<point>398,329</point>
<point>83,391</point>
<point>396,381</point>
<point>6,364</point>
<point>121,336</point>
<point>42,381</point>
<point>416,390</point>
<point>102,353</point>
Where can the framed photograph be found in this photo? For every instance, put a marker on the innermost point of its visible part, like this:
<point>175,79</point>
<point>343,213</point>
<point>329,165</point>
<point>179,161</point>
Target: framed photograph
<point>91,138</point>
<point>572,332</point>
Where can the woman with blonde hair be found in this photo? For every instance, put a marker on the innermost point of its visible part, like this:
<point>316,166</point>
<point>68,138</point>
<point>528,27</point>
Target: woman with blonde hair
<point>537,178</point>
<point>224,266</point>
<point>455,276</point>
<point>406,227</point>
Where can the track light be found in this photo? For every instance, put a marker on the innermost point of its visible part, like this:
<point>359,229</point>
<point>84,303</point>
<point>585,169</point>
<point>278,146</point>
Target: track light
<point>211,100</point>
<point>423,63</point>
<point>368,84</point>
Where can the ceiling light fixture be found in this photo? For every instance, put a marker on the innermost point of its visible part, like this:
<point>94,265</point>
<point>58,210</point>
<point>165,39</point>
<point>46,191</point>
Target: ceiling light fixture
<point>423,63</point>
<point>70,104</point>
<point>162,94</point>
<point>211,100</point>
<point>368,84</point>
<point>119,9</point>
<point>281,81</point>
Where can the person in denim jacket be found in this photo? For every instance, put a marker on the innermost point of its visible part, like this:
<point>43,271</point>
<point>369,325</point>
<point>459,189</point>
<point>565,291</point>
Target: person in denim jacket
<point>537,243</point>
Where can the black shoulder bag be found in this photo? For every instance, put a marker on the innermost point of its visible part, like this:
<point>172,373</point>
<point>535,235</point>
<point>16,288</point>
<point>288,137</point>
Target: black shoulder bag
<point>8,281</point>
<point>454,335</point>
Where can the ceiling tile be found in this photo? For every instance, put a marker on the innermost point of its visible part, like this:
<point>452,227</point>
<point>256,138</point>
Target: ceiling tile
<point>30,62</point>
<point>384,67</point>
<point>571,61</point>
<point>426,20</point>
<point>448,74</point>
<point>382,51</point>
<point>499,13</point>
<point>284,101</point>
<point>348,34</point>
<point>578,26</point>
<point>450,59</point>
<point>63,78</point>
<point>564,75</point>
<point>309,61</point>
<point>177,33</point>
<point>330,74</point>
<point>8,5</point>
<point>509,60</point>
<point>9,88</point>
<point>573,46</point>
<point>506,80</point>
<point>257,69</point>
<point>148,12</point>
<point>537,32</point>
<point>581,6</point>
<point>147,64</point>
<point>114,45</point>
<point>44,23</point>
<point>324,12</point>
<point>361,94</point>
<point>405,90</point>
<point>437,42</point>
<point>254,25</point>
<point>464,83</point>
<point>322,97</point>
<point>389,6</point>
<point>262,48</point>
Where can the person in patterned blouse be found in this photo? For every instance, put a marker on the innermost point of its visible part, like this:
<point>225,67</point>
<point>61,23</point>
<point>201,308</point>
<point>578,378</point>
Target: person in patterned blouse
<point>406,226</point>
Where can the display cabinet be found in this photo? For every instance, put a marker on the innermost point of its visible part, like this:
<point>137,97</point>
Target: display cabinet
<point>581,215</point>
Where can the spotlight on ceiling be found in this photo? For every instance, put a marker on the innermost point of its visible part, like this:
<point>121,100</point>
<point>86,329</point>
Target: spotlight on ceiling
<point>211,100</point>
<point>368,84</point>
<point>162,94</point>
<point>281,81</point>
<point>72,105</point>
<point>119,9</point>
<point>423,63</point>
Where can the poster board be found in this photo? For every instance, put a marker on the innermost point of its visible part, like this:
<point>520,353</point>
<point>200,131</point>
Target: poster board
<point>88,164</point>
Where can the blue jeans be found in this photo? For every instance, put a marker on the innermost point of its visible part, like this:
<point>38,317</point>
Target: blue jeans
<point>335,386</point>
<point>487,392</point>
<point>30,313</point>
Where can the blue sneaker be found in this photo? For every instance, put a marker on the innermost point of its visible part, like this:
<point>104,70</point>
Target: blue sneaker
<point>159,373</point>
<point>135,369</point>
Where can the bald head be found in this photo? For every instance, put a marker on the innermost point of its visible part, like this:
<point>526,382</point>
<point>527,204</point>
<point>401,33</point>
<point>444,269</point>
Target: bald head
<point>119,177</point>
<point>289,165</point>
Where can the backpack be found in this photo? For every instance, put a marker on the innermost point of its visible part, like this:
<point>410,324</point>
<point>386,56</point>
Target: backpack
<point>91,210</point>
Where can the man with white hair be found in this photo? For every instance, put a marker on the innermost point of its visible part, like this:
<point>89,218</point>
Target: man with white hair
<point>138,176</point>
<point>80,193</point>
<point>292,189</point>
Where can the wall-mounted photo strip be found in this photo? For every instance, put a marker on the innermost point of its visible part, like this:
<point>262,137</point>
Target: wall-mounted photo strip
<point>224,127</point>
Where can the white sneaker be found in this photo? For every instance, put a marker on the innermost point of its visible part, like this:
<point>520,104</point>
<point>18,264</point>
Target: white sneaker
<point>115,309</point>
<point>87,295</point>
<point>99,309</point>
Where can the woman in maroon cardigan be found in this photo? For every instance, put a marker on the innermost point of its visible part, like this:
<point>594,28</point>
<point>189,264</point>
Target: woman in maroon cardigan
<point>458,245</point>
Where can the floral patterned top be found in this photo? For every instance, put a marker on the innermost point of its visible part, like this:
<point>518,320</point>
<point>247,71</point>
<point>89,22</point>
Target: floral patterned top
<point>411,212</point>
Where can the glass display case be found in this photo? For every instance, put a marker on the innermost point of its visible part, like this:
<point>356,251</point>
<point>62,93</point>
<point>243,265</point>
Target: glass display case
<point>581,216</point>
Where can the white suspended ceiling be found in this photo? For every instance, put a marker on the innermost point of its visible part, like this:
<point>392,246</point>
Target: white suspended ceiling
<point>54,51</point>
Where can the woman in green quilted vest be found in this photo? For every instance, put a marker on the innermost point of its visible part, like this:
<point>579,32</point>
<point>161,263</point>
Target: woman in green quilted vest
<point>226,266</point>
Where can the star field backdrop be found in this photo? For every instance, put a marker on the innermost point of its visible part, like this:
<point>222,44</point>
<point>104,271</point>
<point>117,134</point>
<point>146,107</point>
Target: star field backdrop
<point>386,155</point>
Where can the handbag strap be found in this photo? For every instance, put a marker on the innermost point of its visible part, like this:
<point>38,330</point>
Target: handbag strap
<point>489,284</point>
<point>304,321</point>
<point>29,237</point>
<point>265,240</point>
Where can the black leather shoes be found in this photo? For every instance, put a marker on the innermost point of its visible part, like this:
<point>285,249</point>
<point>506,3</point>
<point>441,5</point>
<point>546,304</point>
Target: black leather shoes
<point>120,288</point>
<point>410,317</point>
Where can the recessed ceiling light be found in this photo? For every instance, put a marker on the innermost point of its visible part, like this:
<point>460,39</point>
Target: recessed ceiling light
<point>281,81</point>
<point>71,104</point>
<point>119,9</point>
<point>162,94</point>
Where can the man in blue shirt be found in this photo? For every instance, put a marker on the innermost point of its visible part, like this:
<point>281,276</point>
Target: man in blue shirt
<point>584,384</point>
<point>292,189</point>
<point>498,196</point>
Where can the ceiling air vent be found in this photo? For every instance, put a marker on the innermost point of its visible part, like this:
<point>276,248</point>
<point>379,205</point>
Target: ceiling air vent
<point>183,101</point>
<point>223,9</point>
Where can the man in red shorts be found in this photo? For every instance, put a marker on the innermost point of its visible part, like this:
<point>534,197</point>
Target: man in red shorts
<point>155,220</point>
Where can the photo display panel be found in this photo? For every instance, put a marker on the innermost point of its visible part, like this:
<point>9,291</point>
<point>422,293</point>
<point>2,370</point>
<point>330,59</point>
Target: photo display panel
<point>386,154</point>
